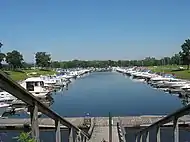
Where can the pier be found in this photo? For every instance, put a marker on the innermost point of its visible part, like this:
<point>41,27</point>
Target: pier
<point>99,126</point>
<point>127,121</point>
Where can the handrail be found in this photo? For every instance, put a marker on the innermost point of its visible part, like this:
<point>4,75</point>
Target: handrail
<point>7,84</point>
<point>177,114</point>
<point>90,131</point>
<point>122,129</point>
<point>171,117</point>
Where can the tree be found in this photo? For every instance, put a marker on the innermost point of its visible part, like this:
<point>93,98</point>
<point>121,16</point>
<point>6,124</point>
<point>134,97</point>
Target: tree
<point>0,46</point>
<point>27,65</point>
<point>14,59</point>
<point>42,59</point>
<point>185,53</point>
<point>2,57</point>
<point>55,64</point>
<point>175,59</point>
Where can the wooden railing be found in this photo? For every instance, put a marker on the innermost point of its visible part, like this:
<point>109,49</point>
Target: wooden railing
<point>75,134</point>
<point>121,131</point>
<point>169,118</point>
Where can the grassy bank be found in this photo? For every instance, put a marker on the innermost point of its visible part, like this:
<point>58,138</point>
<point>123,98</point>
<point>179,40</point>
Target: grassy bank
<point>173,69</point>
<point>23,74</point>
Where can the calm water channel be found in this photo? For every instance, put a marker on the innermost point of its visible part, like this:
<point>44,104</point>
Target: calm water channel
<point>101,93</point>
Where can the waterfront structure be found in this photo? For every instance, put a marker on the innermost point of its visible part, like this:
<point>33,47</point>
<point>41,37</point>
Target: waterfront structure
<point>110,128</point>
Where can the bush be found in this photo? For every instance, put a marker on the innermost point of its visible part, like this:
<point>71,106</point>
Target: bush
<point>25,137</point>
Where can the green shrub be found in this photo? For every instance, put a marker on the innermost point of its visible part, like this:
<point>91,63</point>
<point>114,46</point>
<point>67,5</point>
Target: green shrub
<point>25,137</point>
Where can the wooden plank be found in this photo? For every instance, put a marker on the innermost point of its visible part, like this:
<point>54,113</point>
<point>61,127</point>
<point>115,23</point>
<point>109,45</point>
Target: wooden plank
<point>72,135</point>
<point>101,130</point>
<point>34,122</point>
<point>176,130</point>
<point>110,128</point>
<point>57,131</point>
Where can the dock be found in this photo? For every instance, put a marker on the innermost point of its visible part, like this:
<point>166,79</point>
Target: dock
<point>101,128</point>
<point>43,123</point>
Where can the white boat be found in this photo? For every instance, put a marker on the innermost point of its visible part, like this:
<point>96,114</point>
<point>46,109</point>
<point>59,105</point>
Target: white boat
<point>6,97</point>
<point>35,85</point>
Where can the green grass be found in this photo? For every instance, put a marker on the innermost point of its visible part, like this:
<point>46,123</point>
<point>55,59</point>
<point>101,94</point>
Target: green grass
<point>173,69</point>
<point>17,76</point>
<point>40,72</point>
<point>23,74</point>
<point>183,74</point>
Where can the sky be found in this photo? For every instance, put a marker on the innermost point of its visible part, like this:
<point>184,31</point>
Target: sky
<point>94,29</point>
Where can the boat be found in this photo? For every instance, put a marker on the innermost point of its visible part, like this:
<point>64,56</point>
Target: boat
<point>35,85</point>
<point>6,97</point>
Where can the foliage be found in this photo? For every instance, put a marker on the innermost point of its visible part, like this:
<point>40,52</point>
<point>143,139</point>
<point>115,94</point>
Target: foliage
<point>1,44</point>
<point>14,59</point>
<point>176,59</point>
<point>25,137</point>
<point>27,65</point>
<point>42,59</point>
<point>148,61</point>
<point>55,64</point>
<point>2,57</point>
<point>185,53</point>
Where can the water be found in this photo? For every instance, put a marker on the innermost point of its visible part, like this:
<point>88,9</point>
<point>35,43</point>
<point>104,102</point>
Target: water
<point>101,93</point>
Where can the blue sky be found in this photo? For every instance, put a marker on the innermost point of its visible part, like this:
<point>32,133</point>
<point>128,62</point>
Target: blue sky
<point>94,29</point>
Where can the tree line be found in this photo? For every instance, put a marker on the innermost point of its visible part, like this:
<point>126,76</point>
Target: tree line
<point>15,60</point>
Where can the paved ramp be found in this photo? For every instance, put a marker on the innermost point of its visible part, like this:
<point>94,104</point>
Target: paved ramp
<point>101,131</point>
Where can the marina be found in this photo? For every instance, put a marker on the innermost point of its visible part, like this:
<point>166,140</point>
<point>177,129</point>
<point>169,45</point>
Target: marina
<point>163,81</point>
<point>77,99</point>
<point>54,99</point>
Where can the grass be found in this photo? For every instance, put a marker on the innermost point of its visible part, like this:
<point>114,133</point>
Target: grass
<point>40,72</point>
<point>173,69</point>
<point>17,76</point>
<point>23,74</point>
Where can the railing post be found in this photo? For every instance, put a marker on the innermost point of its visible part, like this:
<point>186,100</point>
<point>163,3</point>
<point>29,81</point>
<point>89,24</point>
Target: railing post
<point>71,135</point>
<point>176,129</point>
<point>79,136</point>
<point>158,134</point>
<point>136,138</point>
<point>84,139</point>
<point>147,136</point>
<point>34,122</point>
<point>141,137</point>
<point>58,131</point>
<point>110,127</point>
